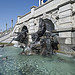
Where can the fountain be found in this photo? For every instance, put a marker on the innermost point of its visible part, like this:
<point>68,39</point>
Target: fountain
<point>18,64</point>
<point>44,41</point>
<point>22,36</point>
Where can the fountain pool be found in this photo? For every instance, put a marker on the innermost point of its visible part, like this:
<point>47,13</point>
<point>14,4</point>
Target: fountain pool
<point>17,64</point>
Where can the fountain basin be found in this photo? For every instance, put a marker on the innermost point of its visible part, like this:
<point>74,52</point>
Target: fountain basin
<point>18,64</point>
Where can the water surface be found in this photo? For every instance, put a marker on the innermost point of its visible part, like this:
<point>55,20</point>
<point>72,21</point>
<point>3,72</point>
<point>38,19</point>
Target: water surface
<point>17,64</point>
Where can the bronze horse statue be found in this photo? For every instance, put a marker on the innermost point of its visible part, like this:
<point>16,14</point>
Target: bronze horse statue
<point>41,30</point>
<point>22,36</point>
<point>47,44</point>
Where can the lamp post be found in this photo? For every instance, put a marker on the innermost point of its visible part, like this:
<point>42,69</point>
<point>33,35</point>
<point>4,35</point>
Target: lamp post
<point>6,26</point>
<point>12,23</point>
<point>0,30</point>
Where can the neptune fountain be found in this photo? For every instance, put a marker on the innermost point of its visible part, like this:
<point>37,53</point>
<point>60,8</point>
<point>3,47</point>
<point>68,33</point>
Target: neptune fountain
<point>44,41</point>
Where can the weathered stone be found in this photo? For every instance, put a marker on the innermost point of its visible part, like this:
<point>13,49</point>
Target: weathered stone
<point>65,20</point>
<point>65,14</point>
<point>31,28</point>
<point>65,8</point>
<point>68,41</point>
<point>31,31</point>
<point>73,5</point>
<point>65,26</point>
<point>65,34</point>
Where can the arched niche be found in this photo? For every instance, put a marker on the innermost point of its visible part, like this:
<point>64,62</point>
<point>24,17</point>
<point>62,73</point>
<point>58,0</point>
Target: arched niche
<point>24,28</point>
<point>49,25</point>
<point>16,28</point>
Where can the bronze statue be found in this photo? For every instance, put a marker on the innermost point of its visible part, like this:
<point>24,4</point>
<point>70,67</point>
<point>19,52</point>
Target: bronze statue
<point>22,36</point>
<point>40,32</point>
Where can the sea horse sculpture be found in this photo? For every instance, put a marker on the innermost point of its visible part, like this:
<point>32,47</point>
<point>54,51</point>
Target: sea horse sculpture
<point>43,36</point>
<point>42,28</point>
<point>22,36</point>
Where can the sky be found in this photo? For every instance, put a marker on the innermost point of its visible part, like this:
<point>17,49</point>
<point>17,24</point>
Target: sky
<point>10,9</point>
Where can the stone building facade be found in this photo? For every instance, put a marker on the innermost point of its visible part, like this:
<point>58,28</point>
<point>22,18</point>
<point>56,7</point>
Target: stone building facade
<point>60,12</point>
